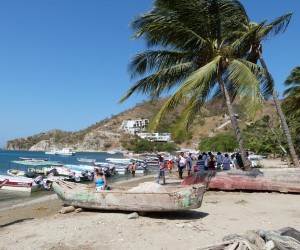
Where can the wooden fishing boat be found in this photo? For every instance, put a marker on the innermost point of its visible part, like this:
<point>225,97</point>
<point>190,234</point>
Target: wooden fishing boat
<point>171,198</point>
<point>279,180</point>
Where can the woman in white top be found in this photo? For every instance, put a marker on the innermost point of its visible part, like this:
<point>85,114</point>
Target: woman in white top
<point>182,164</point>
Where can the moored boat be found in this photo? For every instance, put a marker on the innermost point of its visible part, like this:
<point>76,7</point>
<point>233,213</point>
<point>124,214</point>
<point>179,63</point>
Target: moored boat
<point>160,198</point>
<point>65,151</point>
<point>86,160</point>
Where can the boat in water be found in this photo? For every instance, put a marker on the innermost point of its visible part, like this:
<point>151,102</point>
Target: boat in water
<point>149,197</point>
<point>63,151</point>
<point>86,160</point>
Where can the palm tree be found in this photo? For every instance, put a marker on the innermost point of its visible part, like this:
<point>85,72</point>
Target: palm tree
<point>292,94</point>
<point>292,99</point>
<point>194,50</point>
<point>279,25</point>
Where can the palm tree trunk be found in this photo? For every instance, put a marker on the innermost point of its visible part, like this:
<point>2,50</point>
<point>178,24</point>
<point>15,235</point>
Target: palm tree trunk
<point>281,115</point>
<point>235,125</point>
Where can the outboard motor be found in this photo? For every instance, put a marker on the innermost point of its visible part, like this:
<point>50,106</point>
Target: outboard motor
<point>41,183</point>
<point>74,177</point>
<point>90,176</point>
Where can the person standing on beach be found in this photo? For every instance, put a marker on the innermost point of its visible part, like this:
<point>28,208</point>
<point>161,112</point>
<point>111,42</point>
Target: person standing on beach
<point>182,164</point>
<point>161,170</point>
<point>226,162</point>
<point>239,161</point>
<point>200,163</point>
<point>132,168</point>
<point>189,163</point>
<point>219,160</point>
<point>170,165</point>
<point>211,162</point>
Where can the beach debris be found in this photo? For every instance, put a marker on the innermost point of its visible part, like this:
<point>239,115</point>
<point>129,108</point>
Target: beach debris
<point>134,215</point>
<point>180,225</point>
<point>269,245</point>
<point>78,210</point>
<point>41,208</point>
<point>242,202</point>
<point>286,238</point>
<point>66,210</point>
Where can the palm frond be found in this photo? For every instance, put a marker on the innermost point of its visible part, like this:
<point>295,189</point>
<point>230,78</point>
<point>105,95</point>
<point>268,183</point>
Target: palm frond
<point>150,61</point>
<point>280,24</point>
<point>294,77</point>
<point>160,81</point>
<point>242,75</point>
<point>198,84</point>
<point>192,108</point>
<point>164,29</point>
<point>240,47</point>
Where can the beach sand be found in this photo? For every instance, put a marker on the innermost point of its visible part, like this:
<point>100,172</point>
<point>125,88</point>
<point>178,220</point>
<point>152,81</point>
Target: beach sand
<point>38,225</point>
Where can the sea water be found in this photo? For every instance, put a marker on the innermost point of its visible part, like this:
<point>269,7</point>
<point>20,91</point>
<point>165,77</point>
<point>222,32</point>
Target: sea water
<point>7,156</point>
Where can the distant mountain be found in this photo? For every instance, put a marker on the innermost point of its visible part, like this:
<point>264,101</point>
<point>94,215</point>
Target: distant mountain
<point>107,135</point>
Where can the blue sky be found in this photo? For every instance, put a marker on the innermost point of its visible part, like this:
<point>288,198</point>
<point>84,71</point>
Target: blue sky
<point>63,63</point>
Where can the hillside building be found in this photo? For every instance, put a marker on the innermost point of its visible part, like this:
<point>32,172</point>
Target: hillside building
<point>134,126</point>
<point>159,137</point>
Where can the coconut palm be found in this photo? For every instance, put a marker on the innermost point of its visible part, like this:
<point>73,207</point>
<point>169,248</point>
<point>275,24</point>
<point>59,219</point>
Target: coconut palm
<point>278,25</point>
<point>292,99</point>
<point>195,52</point>
<point>292,94</point>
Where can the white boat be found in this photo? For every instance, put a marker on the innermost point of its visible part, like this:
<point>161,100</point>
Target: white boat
<point>124,161</point>
<point>20,184</point>
<point>33,159</point>
<point>53,152</point>
<point>112,152</point>
<point>65,151</point>
<point>86,160</point>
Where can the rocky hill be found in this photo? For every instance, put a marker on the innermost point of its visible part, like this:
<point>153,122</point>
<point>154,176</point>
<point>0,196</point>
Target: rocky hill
<point>107,134</point>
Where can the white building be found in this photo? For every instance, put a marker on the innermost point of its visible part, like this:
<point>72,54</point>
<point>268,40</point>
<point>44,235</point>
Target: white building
<point>161,137</point>
<point>134,126</point>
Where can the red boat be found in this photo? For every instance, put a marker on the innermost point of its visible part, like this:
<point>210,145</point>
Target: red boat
<point>18,183</point>
<point>280,180</point>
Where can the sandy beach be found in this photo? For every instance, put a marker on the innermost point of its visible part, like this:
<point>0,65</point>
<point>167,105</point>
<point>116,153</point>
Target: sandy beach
<point>36,224</point>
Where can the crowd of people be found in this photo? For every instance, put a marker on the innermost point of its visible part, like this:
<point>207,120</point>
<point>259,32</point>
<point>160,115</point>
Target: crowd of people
<point>190,163</point>
<point>203,162</point>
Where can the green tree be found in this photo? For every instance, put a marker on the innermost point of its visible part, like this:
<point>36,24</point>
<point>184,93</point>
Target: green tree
<point>221,142</point>
<point>292,96</point>
<point>265,136</point>
<point>194,51</point>
<point>291,104</point>
<point>278,25</point>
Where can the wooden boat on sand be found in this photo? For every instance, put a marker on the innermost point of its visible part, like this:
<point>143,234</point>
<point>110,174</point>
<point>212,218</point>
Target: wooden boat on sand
<point>19,184</point>
<point>279,180</point>
<point>143,198</point>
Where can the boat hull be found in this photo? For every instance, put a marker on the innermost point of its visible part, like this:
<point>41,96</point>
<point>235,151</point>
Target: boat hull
<point>22,184</point>
<point>283,180</point>
<point>177,198</point>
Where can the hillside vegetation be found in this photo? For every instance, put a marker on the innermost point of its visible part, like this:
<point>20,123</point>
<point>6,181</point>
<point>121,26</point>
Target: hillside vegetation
<point>106,134</point>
